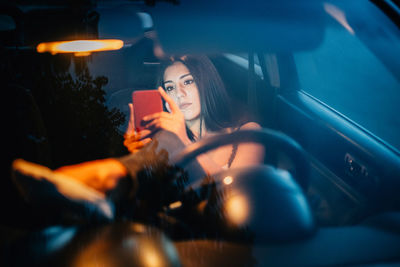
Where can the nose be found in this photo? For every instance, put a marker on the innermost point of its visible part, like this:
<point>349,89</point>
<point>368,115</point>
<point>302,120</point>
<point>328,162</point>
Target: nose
<point>181,91</point>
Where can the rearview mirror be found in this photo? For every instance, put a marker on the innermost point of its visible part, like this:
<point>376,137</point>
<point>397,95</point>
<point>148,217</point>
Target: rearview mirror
<point>234,26</point>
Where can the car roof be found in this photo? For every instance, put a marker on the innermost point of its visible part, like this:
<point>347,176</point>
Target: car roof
<point>233,26</point>
<point>209,26</point>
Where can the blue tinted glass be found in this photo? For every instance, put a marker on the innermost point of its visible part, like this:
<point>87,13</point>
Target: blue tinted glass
<point>350,73</point>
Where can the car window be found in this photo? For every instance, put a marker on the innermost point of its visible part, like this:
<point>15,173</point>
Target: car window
<point>352,71</point>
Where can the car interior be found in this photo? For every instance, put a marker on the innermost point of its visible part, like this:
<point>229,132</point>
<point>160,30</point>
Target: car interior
<point>351,193</point>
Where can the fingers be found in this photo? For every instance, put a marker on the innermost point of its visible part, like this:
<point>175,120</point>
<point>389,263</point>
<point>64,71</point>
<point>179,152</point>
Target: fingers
<point>132,115</point>
<point>156,116</point>
<point>153,125</point>
<point>131,124</point>
<point>143,134</point>
<point>137,136</point>
<point>174,107</point>
<point>161,122</point>
<point>135,145</point>
<point>146,141</point>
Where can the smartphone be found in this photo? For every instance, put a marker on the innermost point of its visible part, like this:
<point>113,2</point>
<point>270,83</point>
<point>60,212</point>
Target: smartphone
<point>145,102</point>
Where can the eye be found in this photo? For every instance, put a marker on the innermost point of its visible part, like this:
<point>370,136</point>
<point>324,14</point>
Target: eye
<point>189,81</point>
<point>169,88</point>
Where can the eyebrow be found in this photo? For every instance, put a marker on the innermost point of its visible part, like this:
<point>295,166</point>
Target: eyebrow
<point>180,78</point>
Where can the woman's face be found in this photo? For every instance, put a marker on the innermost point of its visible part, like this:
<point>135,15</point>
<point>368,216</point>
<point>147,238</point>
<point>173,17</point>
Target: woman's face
<point>180,86</point>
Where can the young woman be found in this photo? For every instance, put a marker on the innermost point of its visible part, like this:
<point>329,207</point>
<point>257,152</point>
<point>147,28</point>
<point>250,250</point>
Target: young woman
<point>198,106</point>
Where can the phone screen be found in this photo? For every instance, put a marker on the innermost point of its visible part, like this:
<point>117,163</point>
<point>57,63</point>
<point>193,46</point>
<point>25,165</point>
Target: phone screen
<point>145,102</point>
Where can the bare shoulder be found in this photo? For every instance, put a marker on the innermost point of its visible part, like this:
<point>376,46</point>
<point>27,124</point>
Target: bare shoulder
<point>250,126</point>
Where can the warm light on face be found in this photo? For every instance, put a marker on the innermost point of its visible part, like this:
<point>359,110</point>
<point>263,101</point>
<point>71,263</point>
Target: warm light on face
<point>237,209</point>
<point>80,47</point>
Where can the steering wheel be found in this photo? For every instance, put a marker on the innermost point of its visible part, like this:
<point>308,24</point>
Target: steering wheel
<point>272,140</point>
<point>261,199</point>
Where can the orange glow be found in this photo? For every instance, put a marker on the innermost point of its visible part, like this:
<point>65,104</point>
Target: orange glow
<point>228,180</point>
<point>152,258</point>
<point>80,47</point>
<point>237,209</point>
<point>150,255</point>
<point>175,205</point>
<point>139,228</point>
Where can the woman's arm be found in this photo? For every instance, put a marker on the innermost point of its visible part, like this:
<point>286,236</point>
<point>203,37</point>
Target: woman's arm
<point>247,154</point>
<point>103,175</point>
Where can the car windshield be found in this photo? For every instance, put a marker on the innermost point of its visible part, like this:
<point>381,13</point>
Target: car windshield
<point>210,123</point>
<point>363,68</point>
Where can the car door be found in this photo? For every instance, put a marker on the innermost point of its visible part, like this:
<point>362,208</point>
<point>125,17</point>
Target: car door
<point>340,102</point>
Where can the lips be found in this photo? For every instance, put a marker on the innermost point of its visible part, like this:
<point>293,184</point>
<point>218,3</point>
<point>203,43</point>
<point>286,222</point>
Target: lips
<point>184,105</point>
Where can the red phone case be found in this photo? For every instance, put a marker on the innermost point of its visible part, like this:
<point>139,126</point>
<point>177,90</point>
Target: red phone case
<point>145,102</point>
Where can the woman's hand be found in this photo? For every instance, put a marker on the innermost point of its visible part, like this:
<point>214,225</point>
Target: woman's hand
<point>173,122</point>
<point>133,140</point>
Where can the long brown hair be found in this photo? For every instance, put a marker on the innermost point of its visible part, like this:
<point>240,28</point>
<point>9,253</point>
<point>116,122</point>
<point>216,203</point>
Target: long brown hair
<point>214,100</point>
